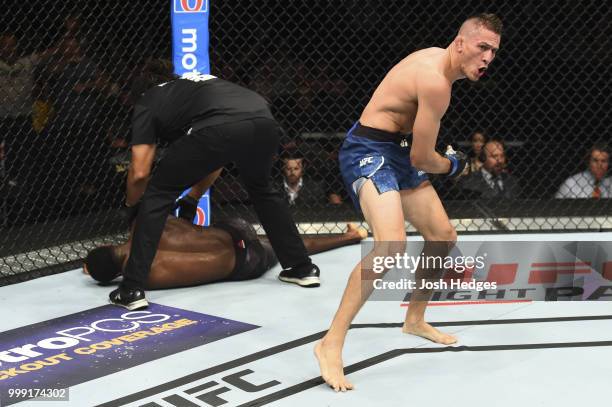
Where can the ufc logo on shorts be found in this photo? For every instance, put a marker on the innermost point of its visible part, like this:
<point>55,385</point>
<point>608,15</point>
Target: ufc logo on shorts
<point>365,161</point>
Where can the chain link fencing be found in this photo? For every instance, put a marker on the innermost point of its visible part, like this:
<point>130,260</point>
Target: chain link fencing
<point>68,70</point>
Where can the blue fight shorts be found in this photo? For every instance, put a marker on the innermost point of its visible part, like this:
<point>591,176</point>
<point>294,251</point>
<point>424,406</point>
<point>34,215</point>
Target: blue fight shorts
<point>383,157</point>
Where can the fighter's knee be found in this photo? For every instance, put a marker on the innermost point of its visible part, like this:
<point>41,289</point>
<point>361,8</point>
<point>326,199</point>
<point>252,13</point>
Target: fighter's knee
<point>390,248</point>
<point>446,233</point>
<point>391,234</point>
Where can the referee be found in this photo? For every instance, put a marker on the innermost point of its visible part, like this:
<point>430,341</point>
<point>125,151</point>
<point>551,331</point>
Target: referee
<point>209,122</point>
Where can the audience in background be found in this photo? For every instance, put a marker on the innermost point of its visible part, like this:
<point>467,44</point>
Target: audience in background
<point>16,73</point>
<point>80,95</point>
<point>17,118</point>
<point>16,94</point>
<point>300,190</point>
<point>492,180</point>
<point>591,183</point>
<point>477,141</point>
<point>80,112</point>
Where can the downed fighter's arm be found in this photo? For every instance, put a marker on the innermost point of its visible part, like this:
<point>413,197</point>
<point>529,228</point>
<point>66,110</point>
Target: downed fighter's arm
<point>433,93</point>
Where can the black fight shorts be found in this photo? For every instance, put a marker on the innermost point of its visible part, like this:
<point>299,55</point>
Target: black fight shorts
<point>253,256</point>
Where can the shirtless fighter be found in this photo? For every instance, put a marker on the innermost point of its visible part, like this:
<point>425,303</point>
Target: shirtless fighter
<point>189,254</point>
<point>385,171</point>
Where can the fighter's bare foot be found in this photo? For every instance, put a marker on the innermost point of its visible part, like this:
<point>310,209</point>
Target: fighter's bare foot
<point>355,231</point>
<point>423,329</point>
<point>330,364</point>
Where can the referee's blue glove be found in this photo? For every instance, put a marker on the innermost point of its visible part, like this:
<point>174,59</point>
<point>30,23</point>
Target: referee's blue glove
<point>458,162</point>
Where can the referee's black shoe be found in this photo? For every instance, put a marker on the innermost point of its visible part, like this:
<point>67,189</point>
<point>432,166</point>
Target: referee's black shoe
<point>306,275</point>
<point>129,298</point>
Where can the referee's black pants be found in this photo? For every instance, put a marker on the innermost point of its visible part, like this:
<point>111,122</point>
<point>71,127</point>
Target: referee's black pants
<point>251,144</point>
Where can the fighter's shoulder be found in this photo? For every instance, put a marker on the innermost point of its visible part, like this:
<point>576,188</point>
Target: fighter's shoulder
<point>423,66</point>
<point>430,83</point>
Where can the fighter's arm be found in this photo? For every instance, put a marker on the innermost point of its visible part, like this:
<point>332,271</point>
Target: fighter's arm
<point>433,92</point>
<point>319,244</point>
<point>139,172</point>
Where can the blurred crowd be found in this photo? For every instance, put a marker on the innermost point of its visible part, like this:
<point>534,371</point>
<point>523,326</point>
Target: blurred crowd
<point>65,117</point>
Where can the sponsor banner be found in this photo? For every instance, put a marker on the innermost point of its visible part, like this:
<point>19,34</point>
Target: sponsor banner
<point>537,271</point>
<point>66,351</point>
<point>190,54</point>
<point>190,36</point>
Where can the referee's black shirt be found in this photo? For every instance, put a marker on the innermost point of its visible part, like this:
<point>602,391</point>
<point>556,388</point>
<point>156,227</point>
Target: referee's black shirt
<point>166,111</point>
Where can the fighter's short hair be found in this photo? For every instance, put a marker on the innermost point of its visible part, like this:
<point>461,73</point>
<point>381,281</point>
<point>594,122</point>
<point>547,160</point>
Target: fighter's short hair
<point>487,20</point>
<point>102,265</point>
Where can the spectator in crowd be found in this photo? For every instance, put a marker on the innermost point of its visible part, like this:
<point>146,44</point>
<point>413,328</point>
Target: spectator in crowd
<point>591,183</point>
<point>75,82</point>
<point>452,188</point>
<point>15,87</point>
<point>80,94</point>
<point>16,114</point>
<point>477,141</point>
<point>15,105</point>
<point>73,27</point>
<point>492,181</point>
<point>299,190</point>
<point>16,92</point>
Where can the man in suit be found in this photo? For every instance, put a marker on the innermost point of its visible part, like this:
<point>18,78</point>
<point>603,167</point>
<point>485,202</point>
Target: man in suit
<point>492,181</point>
<point>300,190</point>
<point>593,182</point>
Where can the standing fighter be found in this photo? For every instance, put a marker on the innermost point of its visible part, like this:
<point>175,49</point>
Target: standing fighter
<point>387,177</point>
<point>209,123</point>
